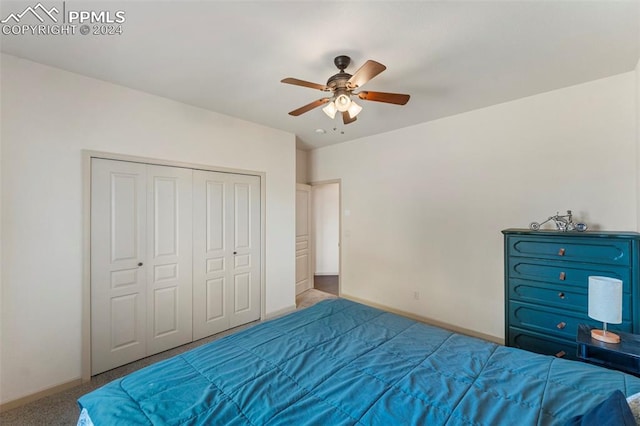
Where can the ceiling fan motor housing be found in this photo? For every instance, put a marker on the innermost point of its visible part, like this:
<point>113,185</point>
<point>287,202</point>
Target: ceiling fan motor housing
<point>339,80</point>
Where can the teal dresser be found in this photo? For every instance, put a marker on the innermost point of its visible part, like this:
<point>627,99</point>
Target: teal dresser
<point>546,285</point>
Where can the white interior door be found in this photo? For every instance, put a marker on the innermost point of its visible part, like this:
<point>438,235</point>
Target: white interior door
<point>175,256</point>
<point>304,278</point>
<point>227,252</point>
<point>211,255</point>
<point>245,269</point>
<point>141,270</point>
<point>169,257</point>
<point>118,253</point>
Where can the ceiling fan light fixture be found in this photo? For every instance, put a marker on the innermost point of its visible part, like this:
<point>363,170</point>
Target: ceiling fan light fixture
<point>342,102</point>
<point>330,110</point>
<point>354,109</point>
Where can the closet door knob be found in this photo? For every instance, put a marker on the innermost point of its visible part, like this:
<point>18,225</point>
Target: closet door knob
<point>139,263</point>
<point>235,252</point>
<point>561,295</point>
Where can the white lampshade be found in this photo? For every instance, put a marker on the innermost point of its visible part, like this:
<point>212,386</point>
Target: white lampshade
<point>330,109</point>
<point>354,109</point>
<point>342,102</point>
<point>605,299</point>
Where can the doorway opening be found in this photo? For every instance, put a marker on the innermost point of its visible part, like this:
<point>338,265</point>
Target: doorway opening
<point>326,236</point>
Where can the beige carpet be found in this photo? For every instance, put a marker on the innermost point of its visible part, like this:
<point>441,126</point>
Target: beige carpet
<point>62,409</point>
<point>311,297</point>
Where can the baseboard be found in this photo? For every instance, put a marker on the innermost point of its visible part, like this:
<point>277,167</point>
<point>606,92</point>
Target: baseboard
<point>325,274</point>
<point>39,395</point>
<point>426,320</point>
<point>280,312</point>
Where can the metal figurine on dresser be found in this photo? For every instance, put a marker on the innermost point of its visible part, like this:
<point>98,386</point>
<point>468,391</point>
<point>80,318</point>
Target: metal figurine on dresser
<point>547,284</point>
<point>563,223</point>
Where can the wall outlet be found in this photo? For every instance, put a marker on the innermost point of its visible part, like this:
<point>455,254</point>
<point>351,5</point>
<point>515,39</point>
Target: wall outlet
<point>416,295</point>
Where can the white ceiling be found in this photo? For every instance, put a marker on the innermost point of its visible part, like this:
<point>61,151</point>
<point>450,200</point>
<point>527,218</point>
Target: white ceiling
<point>450,56</point>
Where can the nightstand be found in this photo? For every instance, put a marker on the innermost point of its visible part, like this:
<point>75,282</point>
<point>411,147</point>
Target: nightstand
<point>623,356</point>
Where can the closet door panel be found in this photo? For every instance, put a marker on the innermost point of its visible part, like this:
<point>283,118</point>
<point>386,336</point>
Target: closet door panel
<point>169,276</point>
<point>210,254</point>
<point>226,251</point>
<point>245,275</point>
<point>118,246</point>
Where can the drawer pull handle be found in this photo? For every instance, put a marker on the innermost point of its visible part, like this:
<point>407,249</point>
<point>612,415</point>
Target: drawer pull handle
<point>561,252</point>
<point>561,295</point>
<point>561,354</point>
<point>561,325</point>
<point>563,276</point>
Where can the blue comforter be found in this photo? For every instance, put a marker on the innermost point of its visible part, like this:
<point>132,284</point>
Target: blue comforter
<point>343,363</point>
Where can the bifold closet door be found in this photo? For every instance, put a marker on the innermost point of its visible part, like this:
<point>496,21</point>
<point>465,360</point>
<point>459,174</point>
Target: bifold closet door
<point>141,251</point>
<point>169,258</point>
<point>226,251</point>
<point>118,246</point>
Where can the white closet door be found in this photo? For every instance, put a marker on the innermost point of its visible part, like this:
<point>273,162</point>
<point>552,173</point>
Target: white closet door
<point>141,261</point>
<point>169,249</point>
<point>211,255</point>
<point>226,256</point>
<point>118,281</point>
<point>175,256</point>
<point>245,270</point>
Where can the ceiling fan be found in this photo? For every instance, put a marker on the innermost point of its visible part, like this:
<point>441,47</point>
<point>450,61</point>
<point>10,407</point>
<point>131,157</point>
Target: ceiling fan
<point>342,86</point>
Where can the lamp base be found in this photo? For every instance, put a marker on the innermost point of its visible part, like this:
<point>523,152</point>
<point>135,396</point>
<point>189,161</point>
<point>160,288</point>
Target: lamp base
<point>607,337</point>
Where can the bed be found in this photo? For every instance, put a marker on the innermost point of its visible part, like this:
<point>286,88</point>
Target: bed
<point>342,363</point>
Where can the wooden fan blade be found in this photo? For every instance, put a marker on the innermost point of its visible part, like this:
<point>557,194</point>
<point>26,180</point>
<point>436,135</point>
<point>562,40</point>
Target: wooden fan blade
<point>309,107</point>
<point>303,83</point>
<point>346,118</point>
<point>365,73</point>
<point>390,98</point>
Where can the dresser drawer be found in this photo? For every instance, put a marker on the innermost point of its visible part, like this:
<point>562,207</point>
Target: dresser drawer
<point>566,273</point>
<point>585,250</point>
<point>541,344</point>
<point>552,321</point>
<point>562,297</point>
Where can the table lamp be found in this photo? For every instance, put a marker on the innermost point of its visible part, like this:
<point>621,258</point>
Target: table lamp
<point>605,304</point>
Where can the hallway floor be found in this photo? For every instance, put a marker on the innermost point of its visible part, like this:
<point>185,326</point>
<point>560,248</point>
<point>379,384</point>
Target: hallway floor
<point>326,283</point>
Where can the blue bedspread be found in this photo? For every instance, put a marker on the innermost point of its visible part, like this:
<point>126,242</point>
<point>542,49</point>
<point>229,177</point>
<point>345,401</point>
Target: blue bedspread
<point>343,363</point>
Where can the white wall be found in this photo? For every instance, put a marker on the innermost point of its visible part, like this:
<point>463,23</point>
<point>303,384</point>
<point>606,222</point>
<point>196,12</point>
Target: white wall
<point>302,159</point>
<point>48,117</point>
<point>325,202</point>
<point>638,130</point>
<point>427,203</point>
